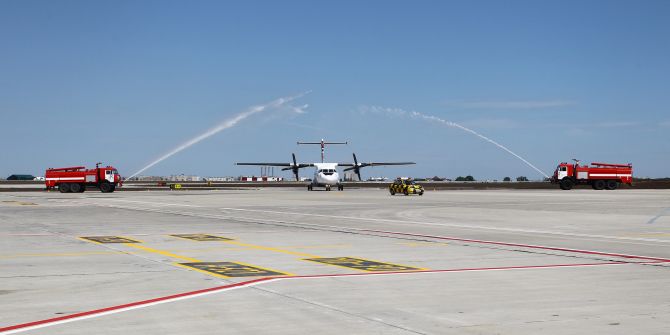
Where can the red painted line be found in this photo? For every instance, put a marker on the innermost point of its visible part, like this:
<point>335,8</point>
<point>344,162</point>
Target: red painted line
<point>132,304</point>
<point>456,270</point>
<point>530,246</point>
<point>71,317</point>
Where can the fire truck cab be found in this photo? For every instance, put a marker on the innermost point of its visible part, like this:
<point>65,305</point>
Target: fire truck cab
<point>598,175</point>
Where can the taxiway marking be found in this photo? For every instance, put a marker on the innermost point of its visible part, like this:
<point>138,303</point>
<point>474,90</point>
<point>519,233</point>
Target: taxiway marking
<point>516,230</point>
<point>206,237</point>
<point>201,237</point>
<point>529,246</point>
<point>62,254</point>
<point>345,228</point>
<point>109,239</point>
<point>20,203</point>
<point>220,274</point>
<point>260,247</point>
<point>231,269</point>
<point>161,252</point>
<point>18,328</point>
<point>362,264</point>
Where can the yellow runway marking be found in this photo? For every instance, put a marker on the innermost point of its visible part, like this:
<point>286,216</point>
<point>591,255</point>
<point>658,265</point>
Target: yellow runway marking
<point>201,271</point>
<point>194,262</point>
<point>63,254</point>
<point>363,264</point>
<point>221,248</point>
<point>201,237</point>
<point>231,269</point>
<point>283,251</point>
<point>108,239</point>
<point>161,252</point>
<point>21,203</point>
<point>325,246</point>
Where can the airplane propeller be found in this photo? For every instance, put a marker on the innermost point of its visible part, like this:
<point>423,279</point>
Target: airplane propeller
<point>295,167</point>
<point>357,168</point>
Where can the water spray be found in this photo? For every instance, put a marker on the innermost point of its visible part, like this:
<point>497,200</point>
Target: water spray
<point>220,127</point>
<point>413,114</point>
<point>456,125</point>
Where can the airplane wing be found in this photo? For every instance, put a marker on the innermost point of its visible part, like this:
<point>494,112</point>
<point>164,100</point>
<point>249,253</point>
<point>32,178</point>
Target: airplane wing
<point>373,164</point>
<point>356,166</point>
<point>286,166</point>
<point>265,164</point>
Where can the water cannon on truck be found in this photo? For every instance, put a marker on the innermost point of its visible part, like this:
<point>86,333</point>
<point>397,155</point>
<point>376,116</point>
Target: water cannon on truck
<point>75,179</point>
<point>599,175</point>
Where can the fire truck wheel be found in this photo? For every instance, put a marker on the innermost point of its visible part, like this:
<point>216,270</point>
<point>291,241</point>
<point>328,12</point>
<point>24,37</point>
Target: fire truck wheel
<point>64,188</point>
<point>566,184</point>
<point>392,192</point>
<point>75,188</point>
<point>599,184</point>
<point>612,185</point>
<point>105,187</point>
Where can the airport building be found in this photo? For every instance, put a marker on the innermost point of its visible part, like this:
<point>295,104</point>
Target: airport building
<point>182,177</point>
<point>264,178</point>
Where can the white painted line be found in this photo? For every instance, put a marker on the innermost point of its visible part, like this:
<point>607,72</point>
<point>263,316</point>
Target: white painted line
<point>515,230</point>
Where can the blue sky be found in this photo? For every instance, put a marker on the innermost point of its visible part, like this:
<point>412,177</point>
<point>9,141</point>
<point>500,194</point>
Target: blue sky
<point>124,82</point>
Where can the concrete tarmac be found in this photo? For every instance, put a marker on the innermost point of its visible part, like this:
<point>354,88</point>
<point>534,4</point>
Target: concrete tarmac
<point>288,261</point>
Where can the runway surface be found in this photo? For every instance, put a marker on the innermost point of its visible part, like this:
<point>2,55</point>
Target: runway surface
<point>288,261</point>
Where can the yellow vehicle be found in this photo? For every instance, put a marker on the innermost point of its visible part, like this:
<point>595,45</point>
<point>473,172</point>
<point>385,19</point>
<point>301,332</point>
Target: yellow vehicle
<point>406,187</point>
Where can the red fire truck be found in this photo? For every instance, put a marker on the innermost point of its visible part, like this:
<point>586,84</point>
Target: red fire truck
<point>75,179</point>
<point>598,175</point>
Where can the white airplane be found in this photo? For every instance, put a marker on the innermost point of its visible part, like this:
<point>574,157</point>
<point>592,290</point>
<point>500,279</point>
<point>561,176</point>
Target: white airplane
<point>325,174</point>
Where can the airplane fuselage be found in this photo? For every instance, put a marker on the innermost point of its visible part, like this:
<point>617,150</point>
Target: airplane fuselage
<point>325,175</point>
